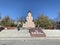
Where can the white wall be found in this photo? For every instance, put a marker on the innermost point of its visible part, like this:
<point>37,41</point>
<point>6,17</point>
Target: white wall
<point>14,33</point>
<point>25,33</point>
<point>52,33</point>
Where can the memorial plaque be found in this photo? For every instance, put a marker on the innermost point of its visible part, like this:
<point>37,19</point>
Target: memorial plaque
<point>36,32</point>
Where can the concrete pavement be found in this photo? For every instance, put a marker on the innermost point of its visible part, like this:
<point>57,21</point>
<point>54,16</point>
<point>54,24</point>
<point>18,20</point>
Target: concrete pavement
<point>31,42</point>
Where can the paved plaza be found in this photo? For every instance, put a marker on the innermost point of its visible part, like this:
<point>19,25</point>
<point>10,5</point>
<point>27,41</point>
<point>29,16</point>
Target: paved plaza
<point>31,42</point>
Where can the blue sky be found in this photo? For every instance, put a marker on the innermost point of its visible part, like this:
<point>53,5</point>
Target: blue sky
<point>16,8</point>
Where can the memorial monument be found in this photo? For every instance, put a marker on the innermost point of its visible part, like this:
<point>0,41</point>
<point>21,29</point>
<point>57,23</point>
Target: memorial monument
<point>29,21</point>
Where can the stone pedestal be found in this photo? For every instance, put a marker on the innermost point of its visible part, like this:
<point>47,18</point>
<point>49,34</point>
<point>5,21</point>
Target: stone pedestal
<point>15,33</point>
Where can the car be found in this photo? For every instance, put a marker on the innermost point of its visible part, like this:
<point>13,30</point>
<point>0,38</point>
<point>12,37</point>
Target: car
<point>1,28</point>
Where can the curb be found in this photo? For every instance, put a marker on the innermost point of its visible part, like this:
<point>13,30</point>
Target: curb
<point>34,38</point>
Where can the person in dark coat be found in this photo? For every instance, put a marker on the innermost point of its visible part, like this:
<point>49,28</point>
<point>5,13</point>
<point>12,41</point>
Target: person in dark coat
<point>18,28</point>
